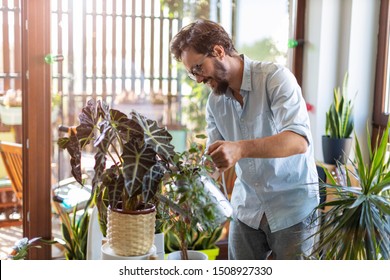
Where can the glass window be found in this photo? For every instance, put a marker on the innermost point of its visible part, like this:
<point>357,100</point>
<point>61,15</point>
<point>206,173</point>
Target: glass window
<point>11,211</point>
<point>271,21</point>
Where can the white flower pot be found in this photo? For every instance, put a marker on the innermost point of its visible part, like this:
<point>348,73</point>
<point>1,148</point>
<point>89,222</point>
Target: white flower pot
<point>109,254</point>
<point>192,255</point>
<point>159,243</point>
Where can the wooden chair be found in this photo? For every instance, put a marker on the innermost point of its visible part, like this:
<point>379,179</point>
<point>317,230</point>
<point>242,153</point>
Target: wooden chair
<point>11,154</point>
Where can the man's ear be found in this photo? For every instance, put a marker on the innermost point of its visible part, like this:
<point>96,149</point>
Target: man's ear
<point>218,51</point>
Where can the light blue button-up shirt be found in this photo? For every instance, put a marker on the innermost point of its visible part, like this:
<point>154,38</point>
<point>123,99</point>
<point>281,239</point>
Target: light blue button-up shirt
<point>284,189</point>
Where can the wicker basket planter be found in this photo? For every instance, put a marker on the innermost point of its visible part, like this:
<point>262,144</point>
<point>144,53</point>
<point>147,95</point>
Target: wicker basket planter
<point>131,233</point>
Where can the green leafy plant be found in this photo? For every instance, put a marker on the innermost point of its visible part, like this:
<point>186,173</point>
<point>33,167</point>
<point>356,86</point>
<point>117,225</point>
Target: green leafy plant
<point>74,230</point>
<point>196,239</point>
<point>339,118</point>
<point>56,100</point>
<point>192,9</point>
<point>357,226</point>
<point>196,106</point>
<point>264,50</point>
<point>22,246</point>
<point>132,154</point>
<point>190,205</point>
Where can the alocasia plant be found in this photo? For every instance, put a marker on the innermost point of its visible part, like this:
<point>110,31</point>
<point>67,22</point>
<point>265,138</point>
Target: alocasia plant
<point>140,152</point>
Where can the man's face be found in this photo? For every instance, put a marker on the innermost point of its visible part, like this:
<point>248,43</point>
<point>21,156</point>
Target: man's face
<point>206,69</point>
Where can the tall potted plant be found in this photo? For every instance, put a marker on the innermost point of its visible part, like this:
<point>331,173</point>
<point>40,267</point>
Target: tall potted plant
<point>337,141</point>
<point>192,198</point>
<point>132,154</point>
<point>357,226</point>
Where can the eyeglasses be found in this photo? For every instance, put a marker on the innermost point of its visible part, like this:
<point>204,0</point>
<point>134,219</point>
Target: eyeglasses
<point>197,70</point>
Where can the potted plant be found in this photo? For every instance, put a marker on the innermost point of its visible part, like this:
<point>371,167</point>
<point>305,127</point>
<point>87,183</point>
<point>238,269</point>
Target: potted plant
<point>22,246</point>
<point>132,154</point>
<point>198,240</point>
<point>74,230</point>
<point>357,225</point>
<point>189,196</point>
<point>337,141</point>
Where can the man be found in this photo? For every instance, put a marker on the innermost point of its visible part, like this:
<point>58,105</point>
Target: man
<point>256,121</point>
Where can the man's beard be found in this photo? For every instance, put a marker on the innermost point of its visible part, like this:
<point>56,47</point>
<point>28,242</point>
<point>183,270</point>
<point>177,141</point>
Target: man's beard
<point>220,78</point>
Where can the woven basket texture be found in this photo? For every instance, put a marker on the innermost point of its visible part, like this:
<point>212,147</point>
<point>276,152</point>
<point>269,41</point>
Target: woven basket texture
<point>129,234</point>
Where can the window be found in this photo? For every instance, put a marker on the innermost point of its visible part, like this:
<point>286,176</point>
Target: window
<point>10,73</point>
<point>282,34</point>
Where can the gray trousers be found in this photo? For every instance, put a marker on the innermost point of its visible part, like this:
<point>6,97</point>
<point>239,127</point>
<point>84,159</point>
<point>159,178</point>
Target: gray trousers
<point>246,243</point>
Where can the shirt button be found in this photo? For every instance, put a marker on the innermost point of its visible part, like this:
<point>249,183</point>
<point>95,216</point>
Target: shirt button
<point>257,184</point>
<point>242,120</point>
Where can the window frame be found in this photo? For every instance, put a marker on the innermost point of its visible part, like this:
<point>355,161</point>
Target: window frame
<point>379,116</point>
<point>36,125</point>
<point>299,35</point>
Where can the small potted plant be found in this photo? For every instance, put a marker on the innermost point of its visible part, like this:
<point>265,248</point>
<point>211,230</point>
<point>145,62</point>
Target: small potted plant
<point>204,241</point>
<point>22,246</point>
<point>357,225</point>
<point>132,154</point>
<point>192,199</point>
<point>337,141</point>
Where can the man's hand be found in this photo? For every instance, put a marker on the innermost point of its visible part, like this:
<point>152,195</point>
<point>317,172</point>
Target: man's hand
<point>225,154</point>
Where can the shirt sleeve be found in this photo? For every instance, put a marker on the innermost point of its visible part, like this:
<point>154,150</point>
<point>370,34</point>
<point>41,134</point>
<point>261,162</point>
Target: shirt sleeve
<point>213,134</point>
<point>287,104</point>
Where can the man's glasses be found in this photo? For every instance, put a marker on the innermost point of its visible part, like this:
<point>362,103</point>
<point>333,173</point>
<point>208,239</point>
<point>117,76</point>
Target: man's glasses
<point>197,70</point>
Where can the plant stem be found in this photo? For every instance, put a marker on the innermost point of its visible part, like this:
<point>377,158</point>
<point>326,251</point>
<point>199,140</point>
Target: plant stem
<point>117,154</point>
<point>183,245</point>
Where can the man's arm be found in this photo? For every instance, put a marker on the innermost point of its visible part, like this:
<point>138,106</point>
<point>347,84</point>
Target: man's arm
<point>225,154</point>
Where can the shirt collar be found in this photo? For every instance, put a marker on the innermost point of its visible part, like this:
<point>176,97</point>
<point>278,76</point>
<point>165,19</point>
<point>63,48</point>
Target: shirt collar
<point>246,77</point>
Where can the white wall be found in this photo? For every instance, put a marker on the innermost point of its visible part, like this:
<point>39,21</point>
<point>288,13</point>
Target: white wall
<point>362,62</point>
<point>341,35</point>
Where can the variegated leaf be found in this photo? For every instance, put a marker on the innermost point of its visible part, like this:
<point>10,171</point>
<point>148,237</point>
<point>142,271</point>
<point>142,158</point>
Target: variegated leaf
<point>137,160</point>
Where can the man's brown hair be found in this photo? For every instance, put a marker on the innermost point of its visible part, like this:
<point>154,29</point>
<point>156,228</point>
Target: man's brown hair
<point>201,35</point>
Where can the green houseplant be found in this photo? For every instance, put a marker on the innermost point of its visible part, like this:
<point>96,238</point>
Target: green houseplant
<point>132,154</point>
<point>357,226</point>
<point>195,108</point>
<point>22,246</point>
<point>193,211</point>
<point>337,141</point>
<point>74,230</point>
<point>200,240</point>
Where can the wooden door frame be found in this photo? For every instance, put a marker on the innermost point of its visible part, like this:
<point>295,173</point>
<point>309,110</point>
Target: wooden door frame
<point>379,116</point>
<point>299,35</point>
<point>36,116</point>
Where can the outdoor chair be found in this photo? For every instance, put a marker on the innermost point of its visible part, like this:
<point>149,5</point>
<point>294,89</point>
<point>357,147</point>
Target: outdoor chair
<point>11,153</point>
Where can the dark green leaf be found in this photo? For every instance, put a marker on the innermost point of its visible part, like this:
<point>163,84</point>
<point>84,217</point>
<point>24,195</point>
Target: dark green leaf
<point>137,160</point>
